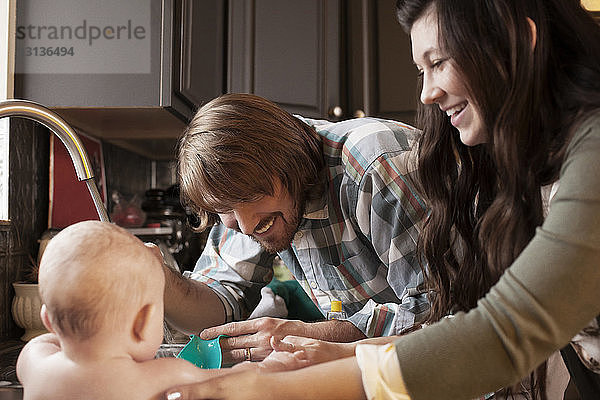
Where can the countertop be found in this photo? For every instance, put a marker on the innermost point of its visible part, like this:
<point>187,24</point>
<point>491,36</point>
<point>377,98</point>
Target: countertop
<point>10,388</point>
<point>9,352</point>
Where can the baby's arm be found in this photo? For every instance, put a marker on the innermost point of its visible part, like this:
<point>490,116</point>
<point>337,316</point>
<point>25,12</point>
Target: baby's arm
<point>35,351</point>
<point>172,372</point>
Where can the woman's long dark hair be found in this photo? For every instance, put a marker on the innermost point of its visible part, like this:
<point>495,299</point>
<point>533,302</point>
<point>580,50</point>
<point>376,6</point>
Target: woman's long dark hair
<point>485,200</point>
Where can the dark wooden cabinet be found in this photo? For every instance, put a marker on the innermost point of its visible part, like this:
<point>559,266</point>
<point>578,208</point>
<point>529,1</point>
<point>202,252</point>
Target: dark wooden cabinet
<point>332,59</point>
<point>185,64</point>
<point>86,78</point>
<point>287,51</point>
<point>144,112</point>
<point>199,50</point>
<point>323,58</point>
<point>382,79</point>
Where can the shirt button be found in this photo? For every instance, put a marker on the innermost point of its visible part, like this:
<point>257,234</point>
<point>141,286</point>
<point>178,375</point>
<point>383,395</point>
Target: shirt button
<point>298,235</point>
<point>313,284</point>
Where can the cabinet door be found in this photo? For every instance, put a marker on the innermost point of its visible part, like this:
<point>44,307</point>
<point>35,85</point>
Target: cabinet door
<point>287,51</point>
<point>382,79</point>
<point>199,43</point>
<point>87,54</point>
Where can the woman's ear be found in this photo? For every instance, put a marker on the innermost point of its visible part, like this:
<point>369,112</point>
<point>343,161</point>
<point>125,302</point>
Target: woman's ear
<point>141,322</point>
<point>533,29</point>
<point>46,318</point>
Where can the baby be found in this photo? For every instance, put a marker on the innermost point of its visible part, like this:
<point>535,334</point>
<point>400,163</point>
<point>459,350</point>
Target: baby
<point>102,293</point>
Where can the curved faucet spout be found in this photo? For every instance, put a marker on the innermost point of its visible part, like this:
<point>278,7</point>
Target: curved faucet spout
<point>66,134</point>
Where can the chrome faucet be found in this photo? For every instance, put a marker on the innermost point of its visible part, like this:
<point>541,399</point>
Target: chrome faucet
<point>66,134</point>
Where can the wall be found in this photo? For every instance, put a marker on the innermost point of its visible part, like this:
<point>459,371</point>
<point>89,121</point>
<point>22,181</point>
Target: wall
<point>126,172</point>
<point>28,202</point>
<point>28,210</point>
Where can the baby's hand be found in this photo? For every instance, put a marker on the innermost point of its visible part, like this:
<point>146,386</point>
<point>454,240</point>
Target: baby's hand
<point>284,361</point>
<point>276,361</point>
<point>312,351</point>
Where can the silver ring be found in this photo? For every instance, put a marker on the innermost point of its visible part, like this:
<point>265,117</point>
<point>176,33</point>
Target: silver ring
<point>248,354</point>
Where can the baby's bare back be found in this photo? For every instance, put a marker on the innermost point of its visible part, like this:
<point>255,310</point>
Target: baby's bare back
<point>110,379</point>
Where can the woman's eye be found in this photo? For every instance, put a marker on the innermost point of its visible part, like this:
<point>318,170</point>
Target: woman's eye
<point>438,63</point>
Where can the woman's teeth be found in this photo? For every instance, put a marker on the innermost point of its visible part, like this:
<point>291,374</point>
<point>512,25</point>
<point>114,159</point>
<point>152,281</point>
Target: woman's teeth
<point>451,111</point>
<point>265,226</point>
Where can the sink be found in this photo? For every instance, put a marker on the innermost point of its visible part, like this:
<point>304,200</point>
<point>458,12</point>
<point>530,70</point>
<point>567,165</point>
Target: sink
<point>11,393</point>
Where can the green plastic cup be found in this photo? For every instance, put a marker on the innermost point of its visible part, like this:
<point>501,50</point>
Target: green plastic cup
<point>203,353</point>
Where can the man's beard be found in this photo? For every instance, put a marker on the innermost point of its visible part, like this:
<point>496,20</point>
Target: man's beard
<point>290,229</point>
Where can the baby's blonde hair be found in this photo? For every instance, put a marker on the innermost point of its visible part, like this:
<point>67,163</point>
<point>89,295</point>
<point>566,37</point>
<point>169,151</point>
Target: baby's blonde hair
<point>92,274</point>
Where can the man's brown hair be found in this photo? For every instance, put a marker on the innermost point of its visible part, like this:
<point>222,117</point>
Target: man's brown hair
<point>234,149</point>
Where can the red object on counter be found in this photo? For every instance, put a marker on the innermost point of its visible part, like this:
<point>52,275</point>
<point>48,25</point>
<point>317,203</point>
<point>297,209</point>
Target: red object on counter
<point>70,199</point>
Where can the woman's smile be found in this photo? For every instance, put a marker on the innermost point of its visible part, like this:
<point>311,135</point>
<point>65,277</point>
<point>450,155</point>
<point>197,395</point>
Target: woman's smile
<point>442,83</point>
<point>456,113</point>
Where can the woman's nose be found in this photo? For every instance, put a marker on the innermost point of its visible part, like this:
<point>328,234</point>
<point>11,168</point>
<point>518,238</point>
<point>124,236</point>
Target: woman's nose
<point>430,92</point>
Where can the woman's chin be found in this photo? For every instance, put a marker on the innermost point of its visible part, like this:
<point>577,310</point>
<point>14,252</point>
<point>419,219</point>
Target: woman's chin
<point>470,139</point>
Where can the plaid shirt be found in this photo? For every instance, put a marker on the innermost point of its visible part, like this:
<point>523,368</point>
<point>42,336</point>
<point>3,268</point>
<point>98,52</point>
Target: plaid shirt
<point>357,243</point>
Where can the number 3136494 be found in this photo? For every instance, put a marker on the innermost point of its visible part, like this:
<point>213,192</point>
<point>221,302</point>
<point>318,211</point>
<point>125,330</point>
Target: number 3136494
<point>59,51</point>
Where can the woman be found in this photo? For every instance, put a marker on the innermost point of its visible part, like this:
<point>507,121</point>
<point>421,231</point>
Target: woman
<point>511,106</point>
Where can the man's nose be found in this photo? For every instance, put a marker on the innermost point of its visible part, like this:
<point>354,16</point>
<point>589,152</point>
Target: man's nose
<point>229,221</point>
<point>240,220</point>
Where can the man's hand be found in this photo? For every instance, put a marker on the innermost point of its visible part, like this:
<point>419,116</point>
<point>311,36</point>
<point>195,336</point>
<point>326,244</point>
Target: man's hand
<point>255,335</point>
<point>250,340</point>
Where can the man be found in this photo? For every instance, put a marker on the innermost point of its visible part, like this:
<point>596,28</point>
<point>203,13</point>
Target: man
<point>333,200</point>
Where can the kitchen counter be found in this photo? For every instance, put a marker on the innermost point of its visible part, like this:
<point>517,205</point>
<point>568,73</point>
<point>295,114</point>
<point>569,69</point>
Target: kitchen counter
<point>10,388</point>
<point>11,393</point>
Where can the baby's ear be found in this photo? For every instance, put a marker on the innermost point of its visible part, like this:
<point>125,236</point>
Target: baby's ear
<point>46,318</point>
<point>142,322</point>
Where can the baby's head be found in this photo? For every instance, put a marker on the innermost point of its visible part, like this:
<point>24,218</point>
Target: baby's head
<point>95,277</point>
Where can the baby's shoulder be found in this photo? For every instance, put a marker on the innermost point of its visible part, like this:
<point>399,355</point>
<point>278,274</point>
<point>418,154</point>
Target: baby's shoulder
<point>41,350</point>
<point>41,346</point>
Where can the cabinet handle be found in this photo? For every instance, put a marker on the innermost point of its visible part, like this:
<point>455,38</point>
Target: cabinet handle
<point>359,114</point>
<point>335,112</point>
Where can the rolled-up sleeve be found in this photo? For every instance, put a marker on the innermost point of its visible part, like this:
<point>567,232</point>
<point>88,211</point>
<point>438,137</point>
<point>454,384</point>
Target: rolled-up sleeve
<point>380,372</point>
<point>236,268</point>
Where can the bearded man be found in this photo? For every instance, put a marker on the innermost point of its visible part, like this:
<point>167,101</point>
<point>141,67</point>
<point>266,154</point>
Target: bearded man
<point>333,200</point>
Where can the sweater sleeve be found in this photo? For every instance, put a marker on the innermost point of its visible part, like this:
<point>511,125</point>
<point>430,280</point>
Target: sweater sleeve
<point>548,294</point>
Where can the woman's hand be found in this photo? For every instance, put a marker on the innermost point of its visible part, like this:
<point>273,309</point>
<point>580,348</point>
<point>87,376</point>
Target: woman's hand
<point>247,384</point>
<point>339,379</point>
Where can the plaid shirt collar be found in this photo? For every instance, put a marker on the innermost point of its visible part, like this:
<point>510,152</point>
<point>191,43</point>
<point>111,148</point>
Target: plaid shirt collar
<point>316,208</point>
